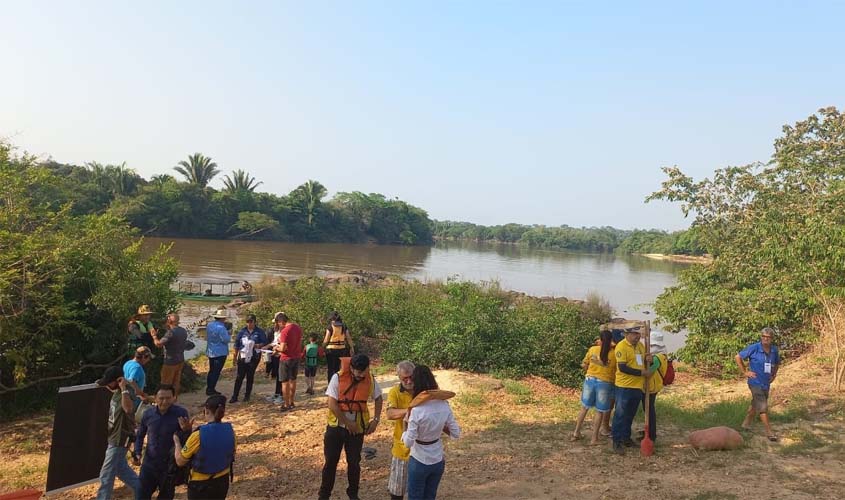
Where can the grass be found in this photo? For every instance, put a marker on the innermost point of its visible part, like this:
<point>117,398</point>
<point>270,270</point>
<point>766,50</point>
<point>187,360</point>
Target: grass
<point>473,399</point>
<point>687,414</point>
<point>521,391</point>
<point>803,441</point>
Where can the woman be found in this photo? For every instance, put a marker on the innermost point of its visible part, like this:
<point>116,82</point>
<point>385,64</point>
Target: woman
<point>597,392</point>
<point>337,343</point>
<point>426,421</point>
<point>210,450</point>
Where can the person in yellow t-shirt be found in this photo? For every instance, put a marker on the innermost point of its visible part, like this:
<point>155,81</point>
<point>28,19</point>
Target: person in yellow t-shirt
<point>631,362</point>
<point>655,382</point>
<point>597,393</point>
<point>398,400</point>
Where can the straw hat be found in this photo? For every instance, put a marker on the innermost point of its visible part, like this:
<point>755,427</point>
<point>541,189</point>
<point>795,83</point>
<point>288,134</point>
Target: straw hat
<point>221,314</point>
<point>145,309</point>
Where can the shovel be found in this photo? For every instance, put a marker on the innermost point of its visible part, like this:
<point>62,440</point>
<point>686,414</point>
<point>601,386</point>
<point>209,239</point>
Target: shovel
<point>647,445</point>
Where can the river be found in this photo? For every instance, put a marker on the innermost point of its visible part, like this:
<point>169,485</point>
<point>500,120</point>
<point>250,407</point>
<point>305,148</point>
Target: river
<point>629,283</point>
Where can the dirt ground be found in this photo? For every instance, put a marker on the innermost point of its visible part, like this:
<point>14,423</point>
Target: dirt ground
<point>516,445</point>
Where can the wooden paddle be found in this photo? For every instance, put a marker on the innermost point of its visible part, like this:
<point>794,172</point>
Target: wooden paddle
<point>647,445</point>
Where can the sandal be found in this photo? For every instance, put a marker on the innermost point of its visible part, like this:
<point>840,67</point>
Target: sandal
<point>773,438</point>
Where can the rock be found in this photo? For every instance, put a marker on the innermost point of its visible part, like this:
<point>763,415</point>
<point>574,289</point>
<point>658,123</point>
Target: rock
<point>715,438</point>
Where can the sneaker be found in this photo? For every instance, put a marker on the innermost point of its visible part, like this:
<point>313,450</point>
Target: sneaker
<point>233,400</point>
<point>629,443</point>
<point>277,400</point>
<point>618,448</point>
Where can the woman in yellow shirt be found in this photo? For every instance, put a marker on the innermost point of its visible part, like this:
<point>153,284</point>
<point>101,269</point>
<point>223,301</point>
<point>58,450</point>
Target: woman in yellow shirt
<point>597,392</point>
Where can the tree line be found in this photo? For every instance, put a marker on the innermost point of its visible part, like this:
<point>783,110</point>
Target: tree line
<point>590,239</point>
<point>189,207</point>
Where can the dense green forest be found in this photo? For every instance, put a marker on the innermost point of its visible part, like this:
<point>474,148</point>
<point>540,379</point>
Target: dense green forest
<point>590,239</point>
<point>165,206</point>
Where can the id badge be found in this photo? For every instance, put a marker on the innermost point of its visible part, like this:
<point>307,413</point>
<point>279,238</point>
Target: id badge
<point>767,368</point>
<point>639,359</point>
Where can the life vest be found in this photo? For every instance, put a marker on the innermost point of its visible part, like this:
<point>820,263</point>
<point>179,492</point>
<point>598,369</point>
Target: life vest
<point>312,352</point>
<point>352,395</point>
<point>338,336</point>
<point>217,448</point>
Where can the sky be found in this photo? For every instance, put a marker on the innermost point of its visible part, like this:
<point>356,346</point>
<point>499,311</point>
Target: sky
<point>489,112</point>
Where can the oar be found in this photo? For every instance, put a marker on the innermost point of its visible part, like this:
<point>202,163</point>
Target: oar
<point>647,445</point>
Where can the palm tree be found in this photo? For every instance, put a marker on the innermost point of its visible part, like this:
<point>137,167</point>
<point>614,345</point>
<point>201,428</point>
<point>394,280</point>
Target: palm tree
<point>312,192</point>
<point>161,179</point>
<point>198,169</point>
<point>240,181</point>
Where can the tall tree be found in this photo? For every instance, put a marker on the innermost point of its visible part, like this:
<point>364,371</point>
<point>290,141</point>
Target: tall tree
<point>312,193</point>
<point>198,169</point>
<point>240,181</point>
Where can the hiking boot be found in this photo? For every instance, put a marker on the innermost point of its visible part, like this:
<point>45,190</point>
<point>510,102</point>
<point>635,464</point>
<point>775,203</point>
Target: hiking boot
<point>629,443</point>
<point>618,448</point>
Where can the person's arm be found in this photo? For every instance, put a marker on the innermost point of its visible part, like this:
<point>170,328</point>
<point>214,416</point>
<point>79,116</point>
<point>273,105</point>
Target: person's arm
<point>740,363</point>
<point>262,340</point>
<point>411,431</point>
<point>326,338</point>
<point>183,456</point>
<point>139,438</point>
<point>452,429</point>
<point>351,426</point>
<point>349,342</point>
<point>126,402</point>
<point>379,402</point>
<point>585,363</point>
<point>392,412</point>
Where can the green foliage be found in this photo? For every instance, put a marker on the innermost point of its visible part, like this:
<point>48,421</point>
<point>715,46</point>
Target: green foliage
<point>452,325</point>
<point>777,232</point>
<point>240,181</point>
<point>68,283</point>
<point>198,169</point>
<point>254,223</point>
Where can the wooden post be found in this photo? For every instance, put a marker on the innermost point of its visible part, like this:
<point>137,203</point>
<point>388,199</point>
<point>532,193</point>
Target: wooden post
<point>647,445</point>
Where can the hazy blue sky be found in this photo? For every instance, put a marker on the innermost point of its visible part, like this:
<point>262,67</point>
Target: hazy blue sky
<point>491,112</point>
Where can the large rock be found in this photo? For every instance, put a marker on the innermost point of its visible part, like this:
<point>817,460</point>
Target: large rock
<point>715,438</point>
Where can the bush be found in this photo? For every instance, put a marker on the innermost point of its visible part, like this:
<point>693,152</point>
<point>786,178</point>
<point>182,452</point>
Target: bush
<point>456,324</point>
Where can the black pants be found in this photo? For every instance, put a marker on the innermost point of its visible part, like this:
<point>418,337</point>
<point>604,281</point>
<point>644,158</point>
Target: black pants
<point>333,360</point>
<point>245,370</point>
<point>210,489</point>
<point>335,440</point>
<point>652,416</point>
<point>154,477</point>
<point>272,368</point>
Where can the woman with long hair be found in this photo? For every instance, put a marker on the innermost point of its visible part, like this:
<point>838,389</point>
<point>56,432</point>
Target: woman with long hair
<point>337,343</point>
<point>597,392</point>
<point>427,420</point>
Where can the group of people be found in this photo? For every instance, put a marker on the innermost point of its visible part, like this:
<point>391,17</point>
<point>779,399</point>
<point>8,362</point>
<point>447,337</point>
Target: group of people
<point>163,439</point>
<point>621,372</point>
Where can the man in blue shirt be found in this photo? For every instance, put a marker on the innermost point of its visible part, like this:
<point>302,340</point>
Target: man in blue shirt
<point>217,349</point>
<point>133,372</point>
<point>247,359</point>
<point>763,361</point>
<point>158,424</point>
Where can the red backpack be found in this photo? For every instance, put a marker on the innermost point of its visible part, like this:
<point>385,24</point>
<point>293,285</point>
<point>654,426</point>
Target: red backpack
<point>669,376</point>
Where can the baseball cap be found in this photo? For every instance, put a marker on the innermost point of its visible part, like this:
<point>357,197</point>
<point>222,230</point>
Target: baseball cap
<point>111,374</point>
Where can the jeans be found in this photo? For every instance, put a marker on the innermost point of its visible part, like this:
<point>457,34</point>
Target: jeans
<point>154,477</point>
<point>115,465</point>
<point>215,366</point>
<point>335,440</point>
<point>627,403</point>
<point>424,479</point>
<point>245,370</point>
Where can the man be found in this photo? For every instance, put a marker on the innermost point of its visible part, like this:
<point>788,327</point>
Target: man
<point>217,350</point>
<point>763,362</point>
<point>121,431</point>
<point>141,329</point>
<point>289,350</point>
<point>174,342</point>
<point>248,344</point>
<point>158,424</point>
<point>133,372</point>
<point>631,361</point>
<point>398,400</point>
<point>348,421</point>
<point>211,451</point>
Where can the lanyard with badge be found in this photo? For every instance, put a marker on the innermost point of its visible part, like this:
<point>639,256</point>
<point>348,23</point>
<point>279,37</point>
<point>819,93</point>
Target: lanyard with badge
<point>767,365</point>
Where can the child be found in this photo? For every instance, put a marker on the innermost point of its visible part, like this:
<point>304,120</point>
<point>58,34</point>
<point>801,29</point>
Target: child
<point>310,354</point>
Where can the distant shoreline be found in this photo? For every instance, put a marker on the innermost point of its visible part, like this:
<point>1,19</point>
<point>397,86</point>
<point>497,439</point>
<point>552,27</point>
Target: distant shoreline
<point>688,259</point>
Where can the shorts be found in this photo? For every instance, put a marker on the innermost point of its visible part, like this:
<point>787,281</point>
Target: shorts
<point>759,398</point>
<point>288,368</point>
<point>310,371</point>
<point>398,480</point>
<point>597,394</point>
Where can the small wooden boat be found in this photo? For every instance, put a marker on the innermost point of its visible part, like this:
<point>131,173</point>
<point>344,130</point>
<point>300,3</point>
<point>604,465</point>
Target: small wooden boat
<point>211,291</point>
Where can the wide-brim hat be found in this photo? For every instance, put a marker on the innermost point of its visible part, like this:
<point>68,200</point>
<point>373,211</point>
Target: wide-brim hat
<point>145,309</point>
<point>144,351</point>
<point>221,313</point>
<point>111,374</point>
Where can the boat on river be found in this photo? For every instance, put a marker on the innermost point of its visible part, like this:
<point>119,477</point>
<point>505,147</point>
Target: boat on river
<point>215,291</point>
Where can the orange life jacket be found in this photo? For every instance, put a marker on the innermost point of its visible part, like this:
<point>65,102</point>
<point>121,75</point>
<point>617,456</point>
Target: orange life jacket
<point>338,336</point>
<point>352,395</point>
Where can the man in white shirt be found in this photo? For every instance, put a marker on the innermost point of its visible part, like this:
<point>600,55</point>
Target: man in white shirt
<point>348,421</point>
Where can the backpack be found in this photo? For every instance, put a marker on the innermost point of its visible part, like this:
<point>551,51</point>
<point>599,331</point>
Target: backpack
<point>669,376</point>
